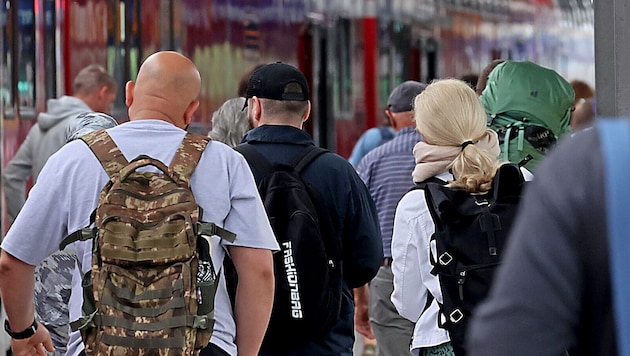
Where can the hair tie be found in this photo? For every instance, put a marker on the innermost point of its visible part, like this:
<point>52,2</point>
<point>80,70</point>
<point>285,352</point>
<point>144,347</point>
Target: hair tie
<point>463,145</point>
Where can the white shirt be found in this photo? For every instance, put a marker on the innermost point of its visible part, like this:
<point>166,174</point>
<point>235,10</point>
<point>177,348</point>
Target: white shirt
<point>68,188</point>
<point>411,266</point>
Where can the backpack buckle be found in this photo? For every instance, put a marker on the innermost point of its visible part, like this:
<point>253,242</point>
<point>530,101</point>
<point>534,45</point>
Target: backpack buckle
<point>200,322</point>
<point>445,259</point>
<point>455,316</point>
<point>482,202</point>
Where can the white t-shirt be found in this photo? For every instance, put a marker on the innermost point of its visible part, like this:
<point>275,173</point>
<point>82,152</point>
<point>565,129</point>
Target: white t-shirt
<point>68,188</point>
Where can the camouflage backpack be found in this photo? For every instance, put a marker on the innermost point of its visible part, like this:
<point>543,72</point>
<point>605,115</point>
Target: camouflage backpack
<point>152,283</point>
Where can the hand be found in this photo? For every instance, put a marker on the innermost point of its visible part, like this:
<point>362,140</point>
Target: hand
<point>37,344</point>
<point>362,321</point>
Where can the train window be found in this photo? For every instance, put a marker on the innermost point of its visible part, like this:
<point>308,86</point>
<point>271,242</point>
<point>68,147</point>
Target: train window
<point>25,60</point>
<point>341,60</point>
<point>394,57</point>
<point>6,90</point>
<point>123,47</point>
<point>50,46</point>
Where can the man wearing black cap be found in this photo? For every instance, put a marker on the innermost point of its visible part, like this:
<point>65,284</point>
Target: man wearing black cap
<point>278,104</point>
<point>386,170</point>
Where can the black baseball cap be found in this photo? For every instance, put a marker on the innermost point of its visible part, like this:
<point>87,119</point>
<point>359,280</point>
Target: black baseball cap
<point>401,98</point>
<point>273,81</point>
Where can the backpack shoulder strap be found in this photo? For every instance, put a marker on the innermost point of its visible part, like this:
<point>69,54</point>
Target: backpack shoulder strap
<point>508,181</point>
<point>306,157</point>
<point>255,159</point>
<point>106,151</point>
<point>188,154</point>
<point>423,184</point>
<point>614,138</point>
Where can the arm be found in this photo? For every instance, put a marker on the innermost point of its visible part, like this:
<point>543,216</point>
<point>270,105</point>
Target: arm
<point>254,296</point>
<point>361,312</point>
<point>16,286</point>
<point>409,296</point>
<point>15,174</point>
<point>362,243</point>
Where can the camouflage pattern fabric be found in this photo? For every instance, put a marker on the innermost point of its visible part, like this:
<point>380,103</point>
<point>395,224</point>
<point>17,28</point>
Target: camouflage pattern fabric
<point>146,295</point>
<point>53,284</point>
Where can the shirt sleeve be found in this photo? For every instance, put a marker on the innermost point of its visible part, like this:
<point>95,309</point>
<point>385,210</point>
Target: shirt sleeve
<point>16,173</point>
<point>247,216</point>
<point>409,296</point>
<point>366,143</point>
<point>57,205</point>
<point>361,236</point>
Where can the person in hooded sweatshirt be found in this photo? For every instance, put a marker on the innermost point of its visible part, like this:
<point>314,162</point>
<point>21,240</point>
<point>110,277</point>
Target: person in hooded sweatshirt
<point>94,91</point>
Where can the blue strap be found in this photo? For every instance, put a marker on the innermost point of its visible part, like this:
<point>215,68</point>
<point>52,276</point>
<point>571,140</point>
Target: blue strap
<point>614,137</point>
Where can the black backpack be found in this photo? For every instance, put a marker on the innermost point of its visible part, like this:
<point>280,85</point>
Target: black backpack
<point>308,268</point>
<point>471,232</point>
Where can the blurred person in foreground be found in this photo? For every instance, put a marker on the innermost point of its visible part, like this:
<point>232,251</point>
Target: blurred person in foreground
<point>553,291</point>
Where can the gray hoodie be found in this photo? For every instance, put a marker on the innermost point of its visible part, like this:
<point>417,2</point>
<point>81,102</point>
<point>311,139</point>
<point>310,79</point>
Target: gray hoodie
<point>44,139</point>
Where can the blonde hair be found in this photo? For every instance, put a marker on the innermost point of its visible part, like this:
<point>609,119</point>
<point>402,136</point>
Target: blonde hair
<point>449,113</point>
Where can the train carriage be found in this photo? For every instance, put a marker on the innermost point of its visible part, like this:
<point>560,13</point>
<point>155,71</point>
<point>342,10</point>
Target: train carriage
<point>352,51</point>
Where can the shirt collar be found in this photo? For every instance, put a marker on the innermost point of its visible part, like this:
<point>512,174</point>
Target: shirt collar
<point>278,134</point>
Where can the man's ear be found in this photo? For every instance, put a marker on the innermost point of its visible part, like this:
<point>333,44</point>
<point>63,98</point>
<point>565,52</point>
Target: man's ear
<point>190,110</point>
<point>390,118</point>
<point>256,110</point>
<point>129,87</point>
<point>102,92</point>
<point>307,114</point>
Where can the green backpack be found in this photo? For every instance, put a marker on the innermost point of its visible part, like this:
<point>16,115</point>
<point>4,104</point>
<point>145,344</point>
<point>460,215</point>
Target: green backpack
<point>530,108</point>
<point>152,284</point>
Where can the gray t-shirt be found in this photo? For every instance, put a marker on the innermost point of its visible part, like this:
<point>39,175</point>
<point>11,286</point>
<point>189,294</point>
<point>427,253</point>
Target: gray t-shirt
<point>68,189</point>
<point>552,292</point>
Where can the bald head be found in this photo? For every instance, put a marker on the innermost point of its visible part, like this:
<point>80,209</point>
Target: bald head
<point>166,88</point>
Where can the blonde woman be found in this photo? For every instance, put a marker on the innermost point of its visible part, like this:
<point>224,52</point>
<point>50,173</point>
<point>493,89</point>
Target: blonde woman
<point>458,148</point>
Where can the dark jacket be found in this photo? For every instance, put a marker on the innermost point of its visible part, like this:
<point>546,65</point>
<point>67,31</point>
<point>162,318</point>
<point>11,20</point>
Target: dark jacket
<point>352,212</point>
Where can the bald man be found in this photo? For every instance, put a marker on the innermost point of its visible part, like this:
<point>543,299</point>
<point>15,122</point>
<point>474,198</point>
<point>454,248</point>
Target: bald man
<point>161,104</point>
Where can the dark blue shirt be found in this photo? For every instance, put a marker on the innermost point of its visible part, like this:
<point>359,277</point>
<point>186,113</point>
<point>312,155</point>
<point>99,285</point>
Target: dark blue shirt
<point>352,212</point>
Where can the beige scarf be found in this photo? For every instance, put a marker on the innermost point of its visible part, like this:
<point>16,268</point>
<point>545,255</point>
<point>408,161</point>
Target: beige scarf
<point>432,160</point>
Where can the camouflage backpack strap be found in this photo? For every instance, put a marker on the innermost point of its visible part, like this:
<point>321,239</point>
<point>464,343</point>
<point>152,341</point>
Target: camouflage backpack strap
<point>105,149</point>
<point>184,163</point>
<point>112,160</point>
<point>188,154</point>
